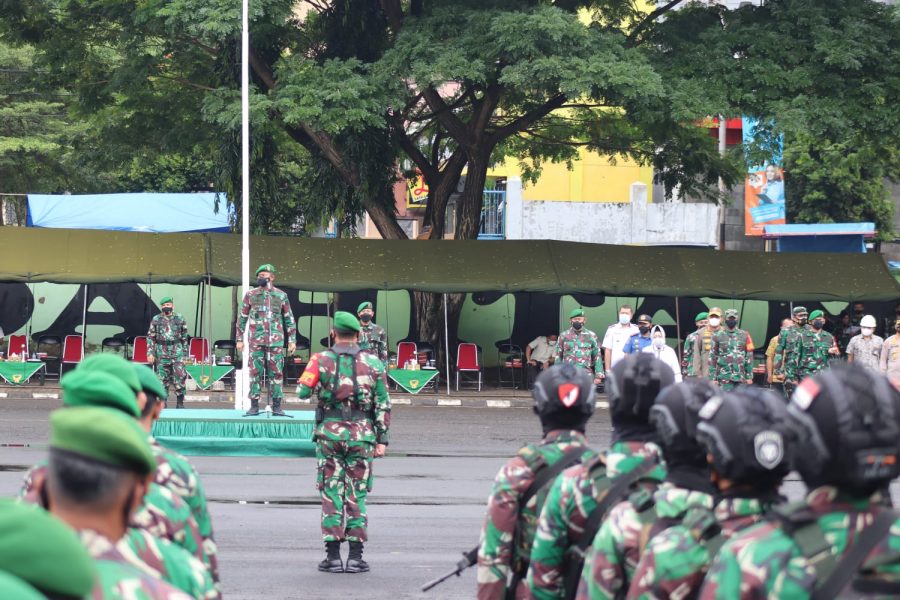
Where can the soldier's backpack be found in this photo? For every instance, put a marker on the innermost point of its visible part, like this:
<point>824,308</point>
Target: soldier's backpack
<point>847,576</point>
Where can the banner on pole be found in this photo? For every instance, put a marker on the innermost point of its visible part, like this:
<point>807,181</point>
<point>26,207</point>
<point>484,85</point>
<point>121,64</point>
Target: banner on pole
<point>763,189</point>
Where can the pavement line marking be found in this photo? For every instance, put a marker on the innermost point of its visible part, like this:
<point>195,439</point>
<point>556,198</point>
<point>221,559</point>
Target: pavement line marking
<point>3,394</point>
<point>602,404</point>
<point>449,402</point>
<point>499,403</point>
<point>44,395</point>
<point>197,398</point>
<point>401,401</point>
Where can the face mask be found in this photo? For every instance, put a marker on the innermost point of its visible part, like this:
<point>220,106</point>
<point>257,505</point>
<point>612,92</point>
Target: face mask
<point>643,329</point>
<point>731,323</point>
<point>167,310</point>
<point>576,325</point>
<point>867,331</point>
<point>624,319</point>
<point>365,318</point>
<point>817,324</point>
<point>658,343</point>
<point>714,322</point>
<point>262,282</point>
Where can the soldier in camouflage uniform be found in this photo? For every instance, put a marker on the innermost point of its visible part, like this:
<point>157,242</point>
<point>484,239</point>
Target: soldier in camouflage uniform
<point>602,481</point>
<point>846,422</point>
<point>352,421</point>
<point>167,342</point>
<point>687,357</point>
<point>788,348</point>
<point>580,346</point>
<point>564,401</point>
<point>748,464</point>
<point>814,348</point>
<point>372,337</point>
<point>168,562</point>
<point>609,566</point>
<point>268,311</point>
<point>731,358</point>
<point>703,343</point>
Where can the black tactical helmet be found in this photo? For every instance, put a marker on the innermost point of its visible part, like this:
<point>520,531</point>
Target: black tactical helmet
<point>746,433</point>
<point>675,417</point>
<point>564,397</point>
<point>846,422</point>
<point>633,386</point>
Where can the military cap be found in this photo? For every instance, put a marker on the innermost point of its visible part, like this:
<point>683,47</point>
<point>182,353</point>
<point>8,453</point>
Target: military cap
<point>165,299</point>
<point>150,383</point>
<point>97,388</point>
<point>113,364</point>
<point>799,310</point>
<point>715,311</point>
<point>816,314</point>
<point>13,587</point>
<point>701,316</point>
<point>42,551</point>
<point>577,312</point>
<point>266,267</point>
<point>363,306</point>
<point>732,312</point>
<point>345,322</point>
<point>103,434</point>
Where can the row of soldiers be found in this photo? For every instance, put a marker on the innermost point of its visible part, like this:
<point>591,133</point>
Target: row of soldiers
<point>110,513</point>
<point>686,503</point>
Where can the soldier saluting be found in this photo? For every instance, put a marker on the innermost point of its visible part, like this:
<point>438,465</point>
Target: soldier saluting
<point>167,342</point>
<point>271,322</point>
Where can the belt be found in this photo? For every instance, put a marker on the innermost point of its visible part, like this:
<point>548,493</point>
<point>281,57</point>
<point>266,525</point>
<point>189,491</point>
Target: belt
<point>354,414</point>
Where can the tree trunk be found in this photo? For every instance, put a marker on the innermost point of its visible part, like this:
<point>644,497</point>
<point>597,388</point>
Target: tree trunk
<point>429,319</point>
<point>384,218</point>
<point>439,196</point>
<point>468,211</point>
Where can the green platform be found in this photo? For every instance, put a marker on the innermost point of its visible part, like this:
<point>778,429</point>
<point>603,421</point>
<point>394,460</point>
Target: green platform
<point>198,432</point>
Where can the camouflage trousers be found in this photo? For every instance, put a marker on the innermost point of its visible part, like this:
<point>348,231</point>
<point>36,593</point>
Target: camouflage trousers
<point>727,386</point>
<point>789,387</point>
<point>274,373</point>
<point>172,374</point>
<point>343,480</point>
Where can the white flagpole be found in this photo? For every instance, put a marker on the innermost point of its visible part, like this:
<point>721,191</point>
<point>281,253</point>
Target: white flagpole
<point>242,391</point>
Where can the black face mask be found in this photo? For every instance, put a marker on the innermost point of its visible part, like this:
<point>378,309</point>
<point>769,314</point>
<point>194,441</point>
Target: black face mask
<point>818,324</point>
<point>365,318</point>
<point>577,325</point>
<point>731,323</point>
<point>262,282</point>
<point>643,329</point>
<point>167,310</point>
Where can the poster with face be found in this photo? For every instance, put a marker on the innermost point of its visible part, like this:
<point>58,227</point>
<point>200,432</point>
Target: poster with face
<point>763,189</point>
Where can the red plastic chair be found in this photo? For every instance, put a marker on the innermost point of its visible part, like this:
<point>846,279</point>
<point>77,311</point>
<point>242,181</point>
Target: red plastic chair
<point>199,349</point>
<point>406,351</point>
<point>139,350</point>
<point>467,361</point>
<point>72,352</point>
<point>18,344</point>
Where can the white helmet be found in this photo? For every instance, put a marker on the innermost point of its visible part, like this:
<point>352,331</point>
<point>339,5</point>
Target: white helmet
<point>867,321</point>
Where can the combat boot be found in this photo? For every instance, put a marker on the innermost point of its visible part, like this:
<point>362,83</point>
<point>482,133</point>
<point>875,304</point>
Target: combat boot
<point>179,401</point>
<point>355,562</point>
<point>332,562</point>
<point>276,408</point>
<point>254,408</point>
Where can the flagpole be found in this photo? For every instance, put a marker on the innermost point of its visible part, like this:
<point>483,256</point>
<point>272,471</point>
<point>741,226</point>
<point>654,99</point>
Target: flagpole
<point>241,396</point>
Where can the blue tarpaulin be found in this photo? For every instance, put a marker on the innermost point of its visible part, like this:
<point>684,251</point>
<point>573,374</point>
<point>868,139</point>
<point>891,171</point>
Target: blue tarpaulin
<point>150,212</point>
<point>821,237</point>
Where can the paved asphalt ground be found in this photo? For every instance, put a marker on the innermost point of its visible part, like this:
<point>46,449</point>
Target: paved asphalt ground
<point>427,505</point>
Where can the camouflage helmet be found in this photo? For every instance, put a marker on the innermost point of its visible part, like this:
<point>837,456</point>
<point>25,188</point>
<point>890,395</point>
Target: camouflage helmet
<point>633,386</point>
<point>846,419</point>
<point>746,433</point>
<point>564,395</point>
<point>675,416</point>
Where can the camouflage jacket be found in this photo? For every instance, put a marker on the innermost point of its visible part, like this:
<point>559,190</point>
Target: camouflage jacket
<point>788,348</point>
<point>581,348</point>
<point>703,345</point>
<point>509,528</point>
<point>175,472</point>
<point>168,336</point>
<point>731,357</point>
<point>164,560</point>
<point>677,559</point>
<point>372,418</point>
<point>613,557</point>
<point>373,338</point>
<point>270,319</point>
<point>687,357</point>
<point>810,356</point>
<point>118,579</point>
<point>765,562</point>
<point>570,502</point>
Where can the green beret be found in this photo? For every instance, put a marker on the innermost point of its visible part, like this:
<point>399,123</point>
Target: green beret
<point>96,388</point>
<point>103,434</point>
<point>13,587</point>
<point>43,551</point>
<point>115,365</point>
<point>363,307</point>
<point>166,299</point>
<point>266,267</point>
<point>345,322</point>
<point>799,310</point>
<point>701,316</point>
<point>731,312</point>
<point>816,314</point>
<point>578,312</point>
<point>150,383</point>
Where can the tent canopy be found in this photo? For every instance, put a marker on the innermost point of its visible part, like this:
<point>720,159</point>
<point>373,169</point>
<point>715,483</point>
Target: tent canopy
<point>74,256</point>
<point>158,213</point>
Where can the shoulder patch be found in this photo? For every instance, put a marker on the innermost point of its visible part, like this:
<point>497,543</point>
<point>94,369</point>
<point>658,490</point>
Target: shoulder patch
<point>805,393</point>
<point>769,449</point>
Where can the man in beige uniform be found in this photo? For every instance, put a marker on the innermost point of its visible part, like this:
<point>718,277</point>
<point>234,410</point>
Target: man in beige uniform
<point>890,353</point>
<point>703,342</point>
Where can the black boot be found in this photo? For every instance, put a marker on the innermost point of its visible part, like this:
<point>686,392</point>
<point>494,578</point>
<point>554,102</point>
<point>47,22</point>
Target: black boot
<point>276,408</point>
<point>254,408</point>
<point>179,401</point>
<point>355,562</point>
<point>332,562</point>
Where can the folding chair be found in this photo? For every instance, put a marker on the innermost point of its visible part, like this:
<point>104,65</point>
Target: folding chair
<point>467,361</point>
<point>72,352</point>
<point>198,349</point>
<point>50,342</point>
<point>18,344</point>
<point>406,351</point>
<point>509,362</point>
<point>139,349</point>
<point>114,344</point>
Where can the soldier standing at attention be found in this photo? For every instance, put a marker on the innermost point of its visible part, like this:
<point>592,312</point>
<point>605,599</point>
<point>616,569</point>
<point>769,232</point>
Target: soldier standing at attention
<point>788,348</point>
<point>563,401</point>
<point>271,323</point>
<point>890,353</point>
<point>687,359</point>
<point>372,337</point>
<point>704,341</point>
<point>815,347</point>
<point>167,342</point>
<point>731,358</point>
<point>580,346</point>
<point>352,421</point>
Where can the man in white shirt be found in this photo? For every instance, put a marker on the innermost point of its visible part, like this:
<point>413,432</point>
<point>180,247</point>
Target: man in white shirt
<point>616,336</point>
<point>539,355</point>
